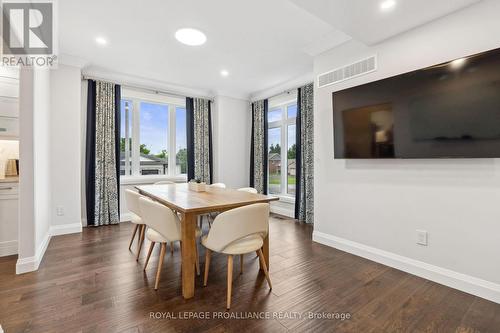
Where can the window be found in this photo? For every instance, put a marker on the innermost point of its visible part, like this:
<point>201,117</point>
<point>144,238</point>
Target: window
<point>153,134</point>
<point>125,137</point>
<point>274,159</point>
<point>180,139</point>
<point>282,147</point>
<point>153,139</point>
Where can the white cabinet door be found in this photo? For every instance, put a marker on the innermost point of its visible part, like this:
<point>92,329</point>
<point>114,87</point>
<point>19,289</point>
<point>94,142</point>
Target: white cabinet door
<point>9,107</point>
<point>9,218</point>
<point>9,127</point>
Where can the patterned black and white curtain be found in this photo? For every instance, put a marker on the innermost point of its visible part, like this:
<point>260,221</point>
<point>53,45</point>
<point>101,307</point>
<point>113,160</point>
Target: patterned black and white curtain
<point>258,148</point>
<point>102,153</point>
<point>199,139</point>
<point>304,194</point>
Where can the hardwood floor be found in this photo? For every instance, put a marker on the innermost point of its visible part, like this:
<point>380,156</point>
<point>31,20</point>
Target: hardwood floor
<point>90,282</point>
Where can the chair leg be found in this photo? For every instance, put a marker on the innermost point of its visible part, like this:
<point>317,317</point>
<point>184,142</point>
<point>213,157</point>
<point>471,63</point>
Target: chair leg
<point>139,234</point>
<point>197,259</point>
<point>266,272</point>
<point>149,254</point>
<point>172,247</point>
<point>229,279</point>
<point>207,266</point>
<point>160,264</point>
<point>141,241</point>
<point>241,263</point>
<point>133,236</point>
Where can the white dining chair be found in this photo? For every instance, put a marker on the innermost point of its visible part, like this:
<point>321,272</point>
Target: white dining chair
<point>248,189</point>
<point>163,226</point>
<point>132,200</point>
<point>217,185</point>
<point>237,232</point>
<point>164,182</point>
<point>210,216</point>
<point>167,182</point>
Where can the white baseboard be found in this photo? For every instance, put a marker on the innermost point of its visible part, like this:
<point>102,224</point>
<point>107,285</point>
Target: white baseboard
<point>463,282</point>
<point>64,229</point>
<point>8,248</point>
<point>283,208</point>
<point>31,264</point>
<point>282,211</point>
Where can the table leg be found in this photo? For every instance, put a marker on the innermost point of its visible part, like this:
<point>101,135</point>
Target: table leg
<point>188,228</point>
<point>265,251</point>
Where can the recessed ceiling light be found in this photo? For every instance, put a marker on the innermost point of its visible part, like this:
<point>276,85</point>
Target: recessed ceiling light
<point>224,72</point>
<point>458,63</point>
<point>101,41</point>
<point>387,5</point>
<point>191,37</point>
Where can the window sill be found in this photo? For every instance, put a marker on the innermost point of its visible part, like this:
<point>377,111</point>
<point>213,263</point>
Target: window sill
<point>136,180</point>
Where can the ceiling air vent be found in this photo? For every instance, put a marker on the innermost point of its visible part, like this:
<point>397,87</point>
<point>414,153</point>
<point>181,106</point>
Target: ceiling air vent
<point>356,69</point>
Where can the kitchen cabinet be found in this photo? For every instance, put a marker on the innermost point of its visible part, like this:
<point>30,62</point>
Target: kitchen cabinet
<point>9,128</point>
<point>9,104</point>
<point>9,217</point>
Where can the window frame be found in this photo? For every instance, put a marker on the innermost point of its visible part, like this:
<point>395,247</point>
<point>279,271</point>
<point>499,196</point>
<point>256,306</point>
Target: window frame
<point>283,124</point>
<point>172,103</point>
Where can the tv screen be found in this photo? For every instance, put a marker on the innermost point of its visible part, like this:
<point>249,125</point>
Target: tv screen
<point>451,110</point>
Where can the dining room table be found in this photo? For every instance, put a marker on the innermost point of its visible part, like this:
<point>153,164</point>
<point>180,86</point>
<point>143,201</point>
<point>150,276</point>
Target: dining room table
<point>190,204</point>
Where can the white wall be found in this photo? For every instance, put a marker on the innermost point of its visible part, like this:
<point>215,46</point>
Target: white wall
<point>232,126</point>
<point>35,177</point>
<point>66,146</point>
<point>42,150</point>
<point>50,168</point>
<point>26,182</point>
<point>373,205</point>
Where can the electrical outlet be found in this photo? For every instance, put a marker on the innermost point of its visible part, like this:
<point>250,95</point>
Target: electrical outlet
<point>422,237</point>
<point>60,211</point>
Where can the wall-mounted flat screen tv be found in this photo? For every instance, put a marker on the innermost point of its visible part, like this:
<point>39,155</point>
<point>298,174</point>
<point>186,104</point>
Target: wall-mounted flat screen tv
<point>451,110</point>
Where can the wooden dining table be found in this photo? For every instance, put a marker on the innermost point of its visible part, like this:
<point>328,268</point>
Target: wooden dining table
<point>190,204</point>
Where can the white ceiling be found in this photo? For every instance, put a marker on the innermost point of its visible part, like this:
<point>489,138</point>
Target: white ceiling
<point>363,20</point>
<point>262,43</point>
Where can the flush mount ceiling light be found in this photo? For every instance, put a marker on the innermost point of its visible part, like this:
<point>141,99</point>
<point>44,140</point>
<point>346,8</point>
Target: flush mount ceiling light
<point>224,73</point>
<point>387,5</point>
<point>101,41</point>
<point>458,63</point>
<point>191,37</point>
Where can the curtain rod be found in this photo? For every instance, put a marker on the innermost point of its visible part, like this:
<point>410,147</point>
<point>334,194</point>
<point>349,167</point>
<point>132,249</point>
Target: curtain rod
<point>145,88</point>
<point>287,91</point>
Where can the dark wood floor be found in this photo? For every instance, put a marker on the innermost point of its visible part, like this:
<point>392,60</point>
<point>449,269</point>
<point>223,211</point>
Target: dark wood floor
<point>89,282</point>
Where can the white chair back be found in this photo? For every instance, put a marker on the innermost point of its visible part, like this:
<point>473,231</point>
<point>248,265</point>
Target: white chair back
<point>218,185</point>
<point>248,189</point>
<point>160,218</point>
<point>132,199</point>
<point>238,223</point>
<point>164,182</point>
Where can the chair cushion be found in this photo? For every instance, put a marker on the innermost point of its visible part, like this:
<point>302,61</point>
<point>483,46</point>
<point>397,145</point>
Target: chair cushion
<point>155,236</point>
<point>241,246</point>
<point>136,219</point>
